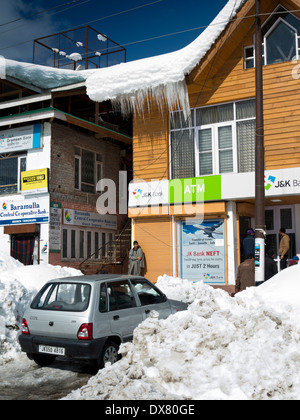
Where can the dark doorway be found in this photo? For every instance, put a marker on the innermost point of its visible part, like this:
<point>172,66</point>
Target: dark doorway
<point>22,248</point>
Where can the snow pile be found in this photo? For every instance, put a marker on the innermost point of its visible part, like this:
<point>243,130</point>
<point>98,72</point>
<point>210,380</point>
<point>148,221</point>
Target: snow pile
<point>162,77</point>
<point>240,348</point>
<point>18,285</point>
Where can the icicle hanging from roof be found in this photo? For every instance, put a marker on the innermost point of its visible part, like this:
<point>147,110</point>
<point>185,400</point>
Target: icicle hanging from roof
<point>173,95</point>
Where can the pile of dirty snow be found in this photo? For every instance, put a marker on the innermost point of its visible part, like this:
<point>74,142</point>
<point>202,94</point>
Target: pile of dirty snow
<point>18,285</point>
<point>242,348</point>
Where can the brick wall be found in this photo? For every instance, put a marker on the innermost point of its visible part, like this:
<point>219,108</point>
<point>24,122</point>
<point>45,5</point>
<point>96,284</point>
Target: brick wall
<point>64,140</point>
<point>63,143</point>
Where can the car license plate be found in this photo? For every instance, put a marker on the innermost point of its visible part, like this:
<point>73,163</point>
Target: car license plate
<point>58,351</point>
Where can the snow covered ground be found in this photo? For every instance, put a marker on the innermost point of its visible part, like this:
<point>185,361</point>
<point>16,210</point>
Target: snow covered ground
<point>18,286</point>
<point>245,347</point>
<point>242,348</point>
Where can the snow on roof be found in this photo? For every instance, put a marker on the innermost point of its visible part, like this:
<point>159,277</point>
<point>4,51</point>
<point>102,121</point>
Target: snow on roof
<point>128,84</point>
<point>149,73</point>
<point>43,77</point>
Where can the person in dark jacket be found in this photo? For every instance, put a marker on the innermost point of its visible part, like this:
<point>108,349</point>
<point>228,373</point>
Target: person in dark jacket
<point>249,243</point>
<point>270,265</point>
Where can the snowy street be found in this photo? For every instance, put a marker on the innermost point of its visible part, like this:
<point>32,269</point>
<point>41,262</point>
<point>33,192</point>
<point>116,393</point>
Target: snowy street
<point>22,379</point>
<point>242,348</point>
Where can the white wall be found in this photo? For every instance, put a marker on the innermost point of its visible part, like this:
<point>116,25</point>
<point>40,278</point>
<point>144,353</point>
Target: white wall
<point>36,159</point>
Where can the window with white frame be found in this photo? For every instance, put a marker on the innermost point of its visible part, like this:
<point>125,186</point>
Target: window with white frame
<point>281,43</point>
<point>81,243</point>
<point>220,140</point>
<point>11,167</point>
<point>88,170</point>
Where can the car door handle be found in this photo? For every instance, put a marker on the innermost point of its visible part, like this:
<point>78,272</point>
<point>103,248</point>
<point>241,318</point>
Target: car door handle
<point>147,311</point>
<point>116,317</point>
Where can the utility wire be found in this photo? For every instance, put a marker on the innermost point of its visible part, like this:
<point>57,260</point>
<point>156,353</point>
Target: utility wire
<point>51,14</point>
<point>88,23</point>
<point>38,13</point>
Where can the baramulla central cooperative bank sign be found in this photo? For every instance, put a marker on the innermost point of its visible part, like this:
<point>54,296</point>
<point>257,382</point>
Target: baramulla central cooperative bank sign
<point>279,182</point>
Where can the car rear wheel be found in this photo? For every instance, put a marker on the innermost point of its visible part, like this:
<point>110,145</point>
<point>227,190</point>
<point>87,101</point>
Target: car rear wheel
<point>110,353</point>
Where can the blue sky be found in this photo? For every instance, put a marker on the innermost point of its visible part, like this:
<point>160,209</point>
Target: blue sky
<point>164,17</point>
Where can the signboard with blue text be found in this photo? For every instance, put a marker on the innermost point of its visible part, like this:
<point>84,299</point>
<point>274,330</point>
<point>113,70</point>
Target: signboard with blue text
<point>20,138</point>
<point>202,251</point>
<point>24,211</point>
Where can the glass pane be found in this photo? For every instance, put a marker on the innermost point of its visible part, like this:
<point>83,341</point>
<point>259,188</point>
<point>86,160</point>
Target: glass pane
<point>65,243</point>
<point>183,154</point>
<point>76,184</point>
<point>81,245</point>
<point>226,161</point>
<point>250,63</point>
<point>214,114</point>
<point>245,109</point>
<point>225,137</point>
<point>8,171</point>
<point>205,140</point>
<point>103,244</point>
<point>73,244</point>
<point>120,296</point>
<point>23,164</point>
<point>68,297</point>
<point>271,243</point>
<point>286,16</point>
<point>286,221</point>
<point>246,145</point>
<point>99,172</point>
<point>87,167</point>
<point>206,164</point>
<point>103,299</point>
<point>249,52</point>
<point>281,44</point>
<point>87,188</point>
<point>96,245</point>
<point>269,215</point>
<point>89,244</point>
<point>148,295</point>
<point>225,113</point>
<point>178,121</point>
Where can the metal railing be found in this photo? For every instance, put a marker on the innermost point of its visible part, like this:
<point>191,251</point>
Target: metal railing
<point>110,248</point>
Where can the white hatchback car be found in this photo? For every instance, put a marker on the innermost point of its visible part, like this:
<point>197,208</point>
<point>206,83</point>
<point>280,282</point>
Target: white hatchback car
<point>88,317</point>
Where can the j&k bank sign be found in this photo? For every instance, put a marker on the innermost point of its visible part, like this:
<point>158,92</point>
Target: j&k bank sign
<point>280,182</point>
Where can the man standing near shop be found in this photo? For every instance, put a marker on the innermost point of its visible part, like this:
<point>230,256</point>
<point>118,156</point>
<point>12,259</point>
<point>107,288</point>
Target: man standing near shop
<point>249,243</point>
<point>136,260</point>
<point>284,248</point>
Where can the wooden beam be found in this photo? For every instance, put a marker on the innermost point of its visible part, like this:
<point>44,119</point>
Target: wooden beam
<point>49,113</point>
<point>24,101</point>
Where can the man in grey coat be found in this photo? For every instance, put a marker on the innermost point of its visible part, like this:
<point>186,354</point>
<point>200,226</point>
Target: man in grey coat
<point>136,260</point>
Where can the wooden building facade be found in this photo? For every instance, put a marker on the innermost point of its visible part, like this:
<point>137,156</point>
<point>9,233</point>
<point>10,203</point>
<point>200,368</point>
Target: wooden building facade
<point>213,154</point>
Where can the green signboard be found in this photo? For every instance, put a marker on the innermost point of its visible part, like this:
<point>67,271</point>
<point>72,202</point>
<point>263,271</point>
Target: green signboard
<point>192,190</point>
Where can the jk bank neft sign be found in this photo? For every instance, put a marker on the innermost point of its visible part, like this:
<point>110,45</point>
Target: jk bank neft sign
<point>278,182</point>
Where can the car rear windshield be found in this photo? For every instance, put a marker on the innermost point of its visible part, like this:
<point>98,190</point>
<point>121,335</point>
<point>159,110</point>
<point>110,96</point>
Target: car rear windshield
<point>68,297</point>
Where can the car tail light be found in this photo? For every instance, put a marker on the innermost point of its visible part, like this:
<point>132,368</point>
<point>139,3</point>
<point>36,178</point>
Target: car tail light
<point>24,328</point>
<point>85,332</point>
